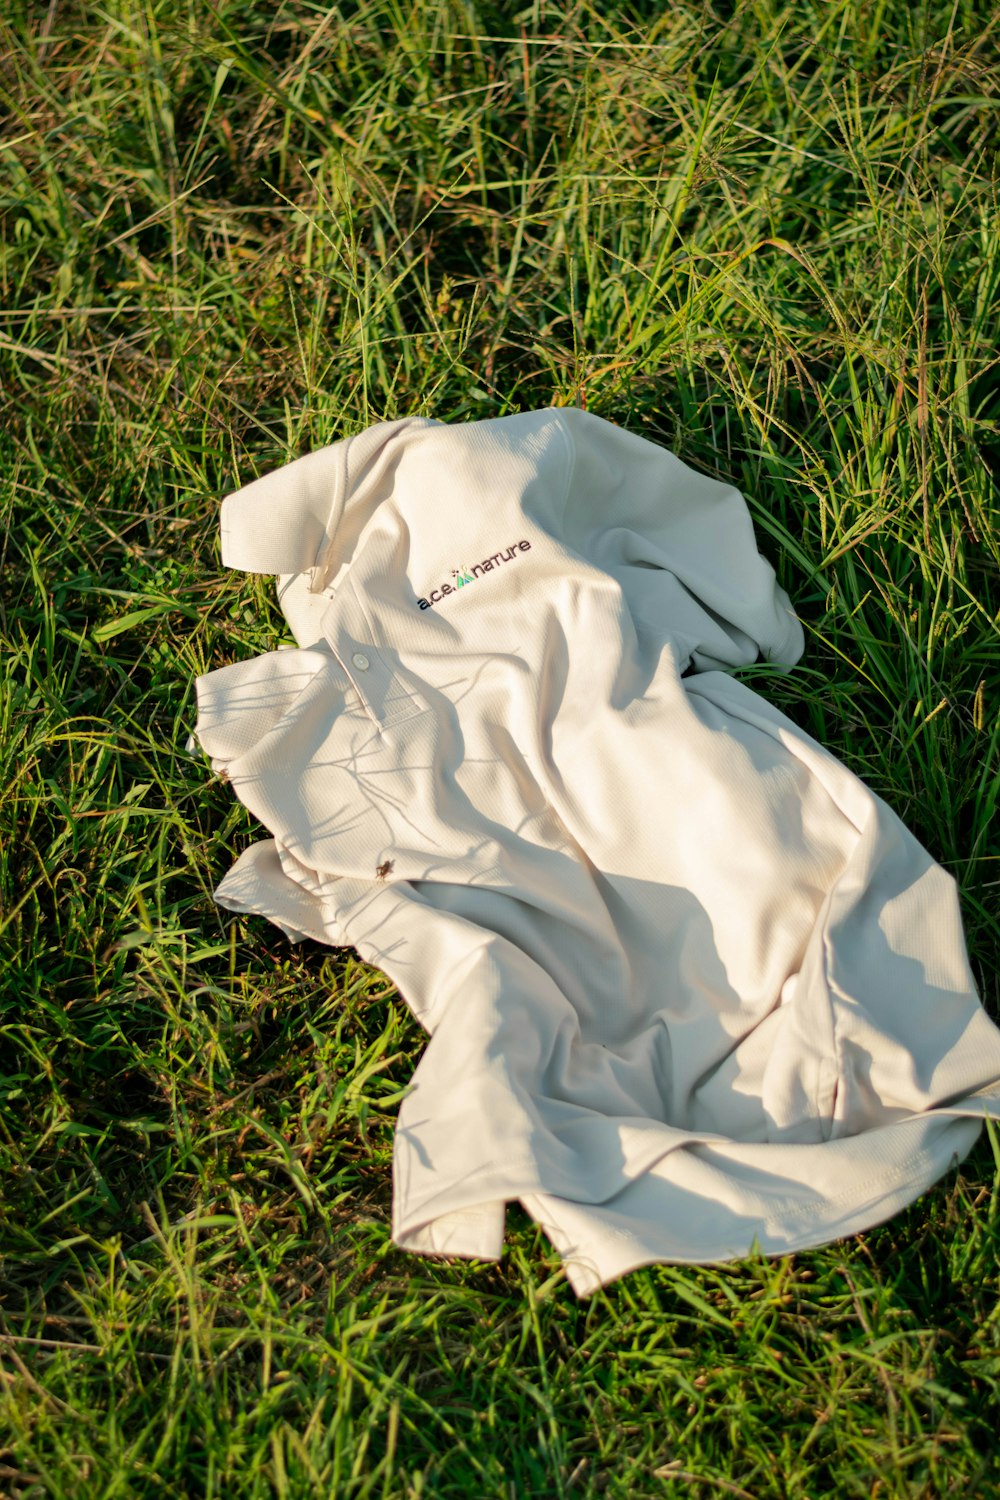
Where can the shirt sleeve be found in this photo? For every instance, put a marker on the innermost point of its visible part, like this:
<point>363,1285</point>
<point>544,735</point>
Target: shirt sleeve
<point>681,545</point>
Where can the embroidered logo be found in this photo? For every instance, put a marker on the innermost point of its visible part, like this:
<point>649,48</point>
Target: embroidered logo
<point>464,575</point>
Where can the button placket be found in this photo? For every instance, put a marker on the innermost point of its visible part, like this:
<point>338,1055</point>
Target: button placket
<point>385,697</point>
<point>363,679</point>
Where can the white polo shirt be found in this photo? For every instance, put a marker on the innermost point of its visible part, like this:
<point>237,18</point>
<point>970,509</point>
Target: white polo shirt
<point>691,987</point>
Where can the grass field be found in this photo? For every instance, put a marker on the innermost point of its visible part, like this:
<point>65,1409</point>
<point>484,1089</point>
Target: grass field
<point>764,234</point>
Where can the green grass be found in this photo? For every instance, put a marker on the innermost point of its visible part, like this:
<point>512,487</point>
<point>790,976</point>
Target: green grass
<point>765,234</point>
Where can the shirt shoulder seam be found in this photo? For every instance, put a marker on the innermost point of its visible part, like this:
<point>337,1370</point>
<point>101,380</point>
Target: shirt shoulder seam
<point>570,445</point>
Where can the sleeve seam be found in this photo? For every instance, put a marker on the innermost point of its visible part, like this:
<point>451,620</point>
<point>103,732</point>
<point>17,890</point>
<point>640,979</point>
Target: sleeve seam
<point>320,565</point>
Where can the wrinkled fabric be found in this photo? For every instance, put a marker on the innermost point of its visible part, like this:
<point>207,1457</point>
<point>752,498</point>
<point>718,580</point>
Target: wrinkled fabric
<point>691,988</point>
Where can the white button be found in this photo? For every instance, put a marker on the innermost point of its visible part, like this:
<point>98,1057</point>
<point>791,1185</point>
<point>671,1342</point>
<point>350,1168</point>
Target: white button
<point>361,662</point>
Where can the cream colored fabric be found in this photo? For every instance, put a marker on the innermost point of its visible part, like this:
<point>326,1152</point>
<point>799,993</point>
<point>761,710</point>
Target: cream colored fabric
<point>691,987</point>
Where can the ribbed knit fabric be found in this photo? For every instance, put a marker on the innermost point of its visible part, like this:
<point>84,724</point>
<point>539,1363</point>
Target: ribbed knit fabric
<point>691,987</point>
